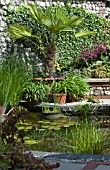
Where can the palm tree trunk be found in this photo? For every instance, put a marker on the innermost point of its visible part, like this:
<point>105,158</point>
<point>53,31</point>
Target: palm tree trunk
<point>51,56</point>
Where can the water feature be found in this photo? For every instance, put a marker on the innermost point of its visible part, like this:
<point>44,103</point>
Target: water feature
<point>47,135</point>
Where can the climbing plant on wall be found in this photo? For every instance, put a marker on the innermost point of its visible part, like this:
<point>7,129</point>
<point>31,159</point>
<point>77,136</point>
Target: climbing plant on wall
<point>70,48</point>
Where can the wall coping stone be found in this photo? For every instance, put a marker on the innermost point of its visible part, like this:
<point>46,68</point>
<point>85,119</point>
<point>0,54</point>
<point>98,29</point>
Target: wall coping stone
<point>97,80</point>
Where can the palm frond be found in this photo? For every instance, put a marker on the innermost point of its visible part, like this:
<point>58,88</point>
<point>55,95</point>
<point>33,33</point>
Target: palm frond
<point>73,21</point>
<point>36,13</point>
<point>16,31</point>
<point>84,33</point>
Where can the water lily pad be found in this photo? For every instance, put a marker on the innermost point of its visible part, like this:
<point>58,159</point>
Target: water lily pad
<point>66,125</point>
<point>71,123</point>
<point>30,142</point>
<point>59,123</point>
<point>40,121</point>
<point>45,127</point>
<point>41,129</point>
<point>57,128</point>
<point>51,127</point>
<point>46,122</point>
<point>53,123</point>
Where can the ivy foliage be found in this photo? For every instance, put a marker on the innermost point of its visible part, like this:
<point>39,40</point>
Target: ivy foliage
<point>69,47</point>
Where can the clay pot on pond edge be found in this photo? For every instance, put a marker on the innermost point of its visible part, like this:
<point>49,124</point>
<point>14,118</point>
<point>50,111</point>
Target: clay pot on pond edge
<point>59,98</point>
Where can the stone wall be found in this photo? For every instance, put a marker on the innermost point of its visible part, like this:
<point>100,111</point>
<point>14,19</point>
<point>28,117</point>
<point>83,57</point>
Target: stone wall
<point>98,7</point>
<point>100,88</point>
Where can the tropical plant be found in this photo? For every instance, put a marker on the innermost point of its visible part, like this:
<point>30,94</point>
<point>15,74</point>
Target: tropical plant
<point>56,20</point>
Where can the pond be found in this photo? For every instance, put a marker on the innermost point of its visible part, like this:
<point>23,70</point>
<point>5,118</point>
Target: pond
<point>67,134</point>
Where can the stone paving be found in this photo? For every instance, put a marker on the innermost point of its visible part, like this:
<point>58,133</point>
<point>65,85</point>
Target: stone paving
<point>76,161</point>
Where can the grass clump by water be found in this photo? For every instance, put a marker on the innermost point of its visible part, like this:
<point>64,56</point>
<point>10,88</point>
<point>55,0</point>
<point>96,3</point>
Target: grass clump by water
<point>86,138</point>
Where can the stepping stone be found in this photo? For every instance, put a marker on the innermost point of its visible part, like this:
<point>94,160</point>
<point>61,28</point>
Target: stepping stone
<point>85,157</point>
<point>97,157</point>
<point>67,165</point>
<point>62,156</point>
<point>106,157</point>
<point>102,167</point>
<point>51,156</point>
<point>74,156</point>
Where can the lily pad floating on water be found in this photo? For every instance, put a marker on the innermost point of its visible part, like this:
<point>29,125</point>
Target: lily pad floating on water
<point>51,127</point>
<point>41,129</point>
<point>31,142</point>
<point>66,125</point>
<point>57,128</point>
<point>45,127</point>
<point>40,121</point>
<point>46,122</point>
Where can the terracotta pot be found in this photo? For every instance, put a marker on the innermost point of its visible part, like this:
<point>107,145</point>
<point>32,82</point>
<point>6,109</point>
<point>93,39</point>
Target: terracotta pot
<point>72,99</point>
<point>59,98</point>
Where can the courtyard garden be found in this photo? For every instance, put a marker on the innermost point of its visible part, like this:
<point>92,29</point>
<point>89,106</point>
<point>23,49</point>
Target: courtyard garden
<point>52,52</point>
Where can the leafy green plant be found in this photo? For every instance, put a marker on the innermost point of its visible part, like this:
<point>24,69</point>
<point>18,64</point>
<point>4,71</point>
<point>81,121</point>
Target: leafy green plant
<point>17,157</point>
<point>36,91</point>
<point>9,131</point>
<point>58,87</point>
<point>76,86</point>
<point>84,111</point>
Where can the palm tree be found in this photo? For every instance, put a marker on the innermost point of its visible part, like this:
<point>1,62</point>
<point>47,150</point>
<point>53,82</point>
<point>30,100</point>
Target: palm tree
<point>56,21</point>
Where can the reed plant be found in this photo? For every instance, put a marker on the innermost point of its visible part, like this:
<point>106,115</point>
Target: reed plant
<point>13,76</point>
<point>86,138</point>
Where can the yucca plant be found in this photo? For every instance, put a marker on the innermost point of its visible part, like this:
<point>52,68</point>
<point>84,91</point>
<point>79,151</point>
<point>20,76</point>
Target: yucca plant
<point>56,20</point>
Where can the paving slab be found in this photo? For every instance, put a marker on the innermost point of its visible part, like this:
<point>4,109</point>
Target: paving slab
<point>104,101</point>
<point>102,167</point>
<point>67,165</point>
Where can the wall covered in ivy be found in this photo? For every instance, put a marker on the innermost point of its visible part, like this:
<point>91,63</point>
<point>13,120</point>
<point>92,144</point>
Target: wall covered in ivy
<point>68,46</point>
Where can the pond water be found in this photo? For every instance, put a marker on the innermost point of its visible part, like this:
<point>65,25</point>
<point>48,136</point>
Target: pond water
<point>65,134</point>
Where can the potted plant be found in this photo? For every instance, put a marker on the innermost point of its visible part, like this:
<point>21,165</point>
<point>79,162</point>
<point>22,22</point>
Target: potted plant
<point>58,90</point>
<point>76,87</point>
